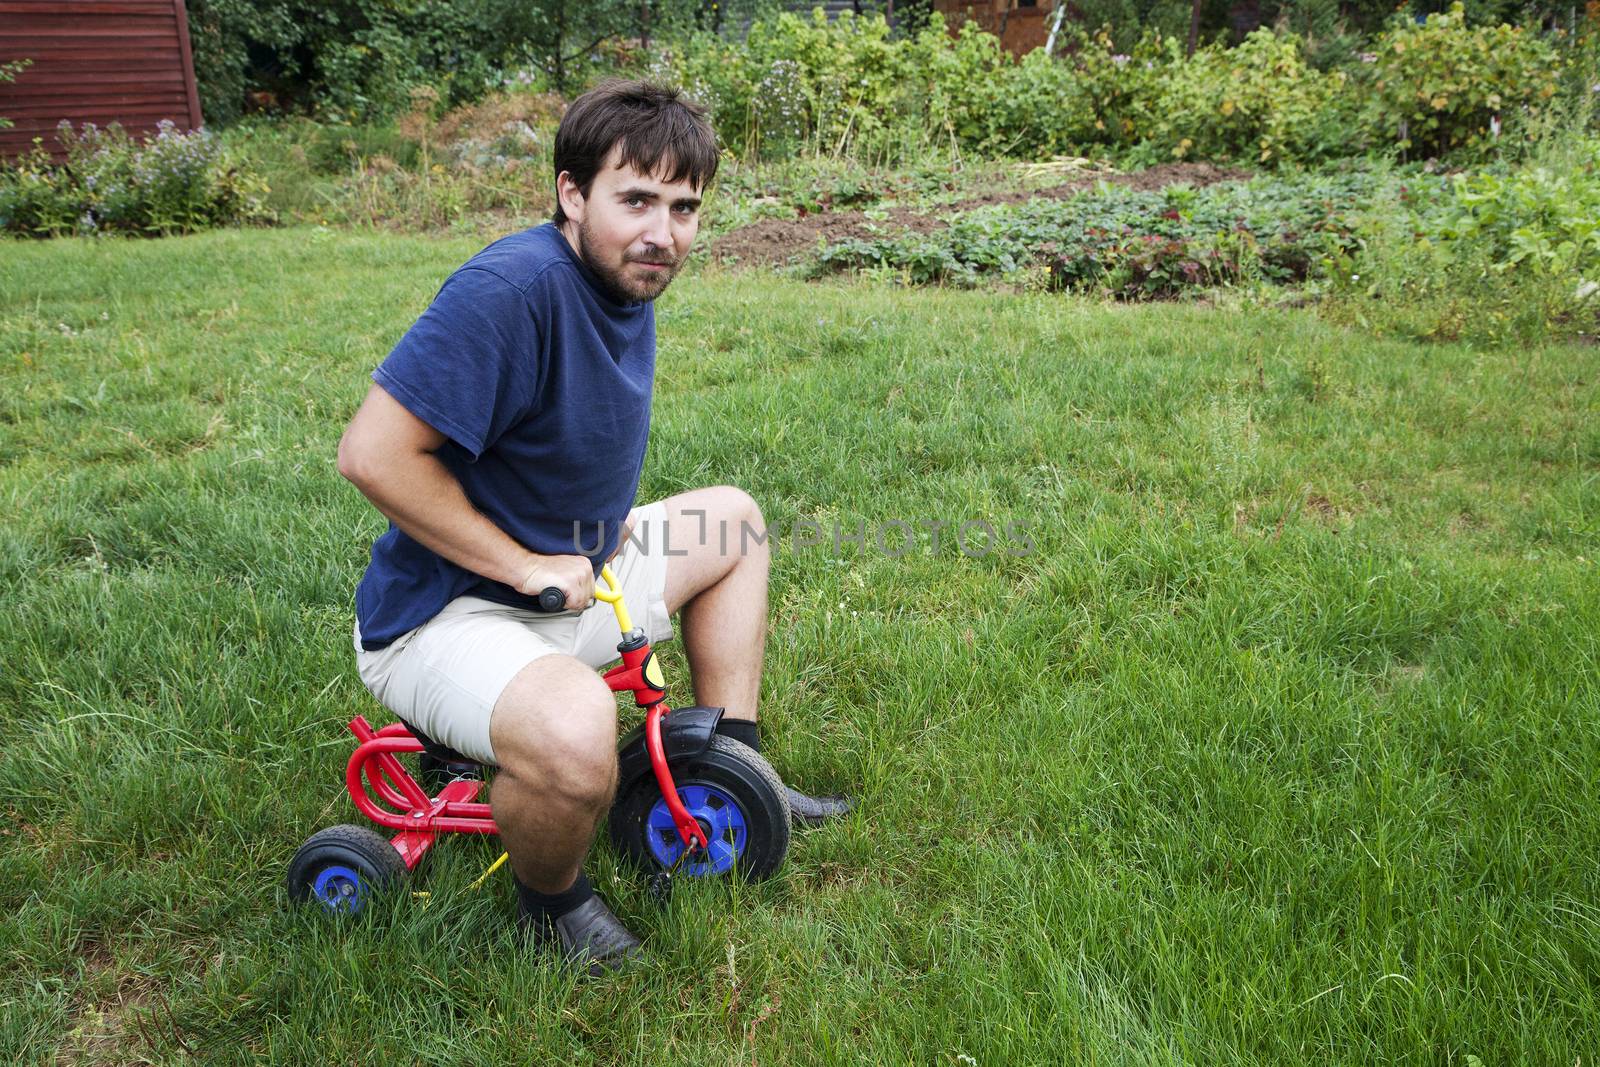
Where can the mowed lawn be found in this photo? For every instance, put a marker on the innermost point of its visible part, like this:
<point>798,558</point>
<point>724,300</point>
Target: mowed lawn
<point>1280,743</point>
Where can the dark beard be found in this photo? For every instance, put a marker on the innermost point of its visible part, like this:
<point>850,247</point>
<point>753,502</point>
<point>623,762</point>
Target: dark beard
<point>616,285</point>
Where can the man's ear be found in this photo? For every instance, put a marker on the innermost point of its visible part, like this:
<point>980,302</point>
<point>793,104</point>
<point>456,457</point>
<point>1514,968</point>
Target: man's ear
<point>570,196</point>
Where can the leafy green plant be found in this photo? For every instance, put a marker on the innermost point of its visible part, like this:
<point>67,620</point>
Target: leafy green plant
<point>849,88</point>
<point>1134,244</point>
<point>1498,256</point>
<point>1533,219</point>
<point>1260,102</point>
<point>1447,89</point>
<point>1451,291</point>
<point>957,88</point>
<point>34,200</point>
<point>846,86</point>
<point>1118,89</point>
<point>1140,266</point>
<point>821,86</point>
<point>1034,109</point>
<point>171,182</point>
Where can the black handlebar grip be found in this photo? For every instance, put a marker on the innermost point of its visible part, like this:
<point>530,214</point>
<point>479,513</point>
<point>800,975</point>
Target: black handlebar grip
<point>552,599</point>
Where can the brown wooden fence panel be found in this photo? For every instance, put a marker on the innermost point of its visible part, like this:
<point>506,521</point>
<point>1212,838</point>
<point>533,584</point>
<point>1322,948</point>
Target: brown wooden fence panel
<point>99,61</point>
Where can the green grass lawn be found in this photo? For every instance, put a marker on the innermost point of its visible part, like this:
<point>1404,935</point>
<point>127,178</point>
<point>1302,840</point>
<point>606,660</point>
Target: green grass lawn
<point>1280,747</point>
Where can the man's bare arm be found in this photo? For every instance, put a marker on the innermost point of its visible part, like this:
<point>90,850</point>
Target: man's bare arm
<point>388,453</point>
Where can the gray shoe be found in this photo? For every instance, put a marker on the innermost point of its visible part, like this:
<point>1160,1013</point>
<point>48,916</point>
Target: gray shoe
<point>588,935</point>
<point>809,811</point>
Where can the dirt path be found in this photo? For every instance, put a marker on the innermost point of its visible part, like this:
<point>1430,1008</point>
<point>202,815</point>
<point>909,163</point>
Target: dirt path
<point>775,242</point>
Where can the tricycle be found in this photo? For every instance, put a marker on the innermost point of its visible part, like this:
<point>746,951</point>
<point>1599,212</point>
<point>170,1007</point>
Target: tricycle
<point>689,801</point>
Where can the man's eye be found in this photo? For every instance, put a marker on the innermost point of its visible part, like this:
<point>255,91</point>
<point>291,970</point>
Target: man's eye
<point>634,201</point>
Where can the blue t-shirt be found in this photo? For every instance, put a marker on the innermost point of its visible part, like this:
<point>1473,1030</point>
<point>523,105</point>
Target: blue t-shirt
<point>541,383</point>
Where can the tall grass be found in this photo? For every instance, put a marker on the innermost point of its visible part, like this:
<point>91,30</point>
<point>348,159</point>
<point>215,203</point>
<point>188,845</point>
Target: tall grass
<point>475,168</point>
<point>1279,748</point>
<point>1467,289</point>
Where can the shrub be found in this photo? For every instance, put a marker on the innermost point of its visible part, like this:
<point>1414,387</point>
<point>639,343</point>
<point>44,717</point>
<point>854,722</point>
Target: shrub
<point>794,84</point>
<point>1035,109</point>
<point>1118,90</point>
<point>1448,89</point>
<point>950,88</point>
<point>849,87</point>
<point>1259,103</point>
<point>846,69</point>
<point>845,86</point>
<point>172,182</point>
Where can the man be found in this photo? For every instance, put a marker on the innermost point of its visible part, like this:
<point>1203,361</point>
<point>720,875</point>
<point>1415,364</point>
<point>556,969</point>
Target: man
<point>504,438</point>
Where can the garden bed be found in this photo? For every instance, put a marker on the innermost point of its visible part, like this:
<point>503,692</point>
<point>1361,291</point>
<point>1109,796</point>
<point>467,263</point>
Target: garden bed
<point>784,241</point>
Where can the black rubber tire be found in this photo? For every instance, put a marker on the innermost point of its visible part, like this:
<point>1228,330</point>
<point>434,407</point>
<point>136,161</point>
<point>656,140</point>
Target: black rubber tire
<point>736,770</point>
<point>368,854</point>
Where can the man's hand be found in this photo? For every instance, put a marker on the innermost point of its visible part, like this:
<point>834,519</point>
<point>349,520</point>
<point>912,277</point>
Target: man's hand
<point>573,575</point>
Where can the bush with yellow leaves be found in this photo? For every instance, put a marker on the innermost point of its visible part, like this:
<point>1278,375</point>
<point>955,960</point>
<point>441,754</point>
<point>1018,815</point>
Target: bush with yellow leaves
<point>1260,103</point>
<point>1446,89</point>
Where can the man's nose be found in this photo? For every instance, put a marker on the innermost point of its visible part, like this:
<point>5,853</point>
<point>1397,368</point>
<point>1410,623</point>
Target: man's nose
<point>658,231</point>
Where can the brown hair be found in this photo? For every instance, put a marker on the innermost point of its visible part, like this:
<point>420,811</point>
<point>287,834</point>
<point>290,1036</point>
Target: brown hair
<point>657,126</point>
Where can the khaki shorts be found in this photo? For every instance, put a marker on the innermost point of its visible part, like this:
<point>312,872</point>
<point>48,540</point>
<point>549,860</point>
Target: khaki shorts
<point>445,676</point>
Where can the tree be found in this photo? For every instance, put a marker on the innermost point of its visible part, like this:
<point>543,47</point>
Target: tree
<point>556,34</point>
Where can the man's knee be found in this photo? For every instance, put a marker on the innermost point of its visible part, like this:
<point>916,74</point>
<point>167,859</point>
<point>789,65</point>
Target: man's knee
<point>740,504</point>
<point>555,729</point>
<point>735,520</point>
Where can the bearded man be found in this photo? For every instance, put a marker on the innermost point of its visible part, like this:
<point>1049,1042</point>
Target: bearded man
<point>503,438</point>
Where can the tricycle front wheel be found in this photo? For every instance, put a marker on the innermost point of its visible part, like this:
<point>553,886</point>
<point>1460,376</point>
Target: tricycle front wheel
<point>732,792</point>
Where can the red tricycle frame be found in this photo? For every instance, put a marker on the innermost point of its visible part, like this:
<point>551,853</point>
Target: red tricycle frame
<point>385,792</point>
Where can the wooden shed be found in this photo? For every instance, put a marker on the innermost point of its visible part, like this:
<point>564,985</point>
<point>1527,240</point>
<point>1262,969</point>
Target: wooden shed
<point>1021,25</point>
<point>99,61</point>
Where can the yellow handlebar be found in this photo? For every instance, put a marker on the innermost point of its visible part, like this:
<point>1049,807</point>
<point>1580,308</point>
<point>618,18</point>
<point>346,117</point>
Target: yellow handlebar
<point>612,594</point>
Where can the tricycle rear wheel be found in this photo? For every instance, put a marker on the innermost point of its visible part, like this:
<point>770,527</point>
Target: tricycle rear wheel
<point>341,868</point>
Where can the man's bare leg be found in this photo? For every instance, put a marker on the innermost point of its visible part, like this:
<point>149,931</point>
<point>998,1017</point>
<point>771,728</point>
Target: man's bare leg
<point>718,589</point>
<point>554,733</point>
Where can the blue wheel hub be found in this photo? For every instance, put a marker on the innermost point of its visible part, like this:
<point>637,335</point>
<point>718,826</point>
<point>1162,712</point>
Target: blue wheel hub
<point>339,889</point>
<point>718,815</point>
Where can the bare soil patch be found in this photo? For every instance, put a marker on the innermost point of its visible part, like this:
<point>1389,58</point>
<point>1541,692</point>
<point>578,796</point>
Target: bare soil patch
<point>778,242</point>
<point>120,1012</point>
<point>102,1026</point>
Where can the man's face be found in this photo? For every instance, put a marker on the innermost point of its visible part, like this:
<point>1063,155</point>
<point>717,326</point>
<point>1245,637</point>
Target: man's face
<point>632,230</point>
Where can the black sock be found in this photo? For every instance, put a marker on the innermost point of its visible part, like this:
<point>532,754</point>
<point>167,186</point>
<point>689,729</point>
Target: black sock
<point>741,730</point>
<point>546,908</point>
